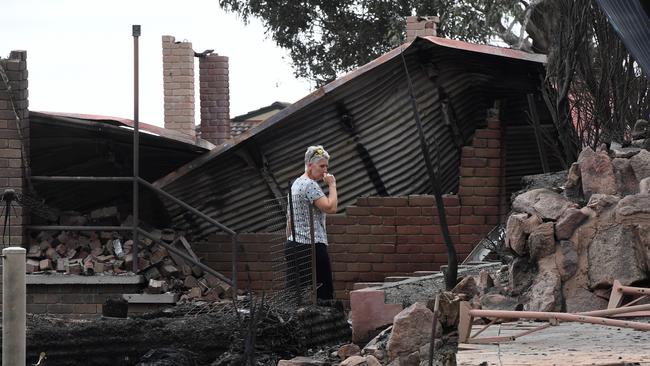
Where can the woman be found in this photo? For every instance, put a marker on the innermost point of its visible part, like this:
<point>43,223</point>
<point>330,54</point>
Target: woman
<point>306,194</point>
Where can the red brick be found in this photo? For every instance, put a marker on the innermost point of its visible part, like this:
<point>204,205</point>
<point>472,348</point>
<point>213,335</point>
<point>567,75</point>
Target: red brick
<point>397,258</point>
<point>487,211</point>
<point>390,239</point>
<point>467,172</point>
<point>493,220</point>
<point>488,153</point>
<point>396,201</point>
<point>382,211</point>
<point>375,201</point>
<point>382,248</point>
<point>344,257</point>
<point>430,211</point>
<point>473,220</point>
<point>344,238</point>
<point>494,124</point>
<point>357,211</point>
<point>373,257</point>
<point>435,248</point>
<point>358,229</point>
<point>359,248</point>
<point>452,211</point>
<point>382,229</point>
<point>488,172</point>
<point>370,220</point>
<point>409,248</point>
<point>408,230</point>
<point>473,201</point>
<point>421,201</point>
<point>420,239</point>
<point>423,258</point>
<point>471,229</point>
<point>450,200</point>
<point>494,163</point>
<point>346,276</point>
<point>467,152</point>
<point>384,267</point>
<point>359,267</point>
<point>371,239</point>
<point>362,202</point>
<point>494,143</point>
<point>466,210</point>
<point>431,229</point>
<point>487,191</point>
<point>341,220</point>
<point>487,134</point>
<point>451,220</point>
<point>477,142</point>
<point>388,221</point>
<point>335,229</point>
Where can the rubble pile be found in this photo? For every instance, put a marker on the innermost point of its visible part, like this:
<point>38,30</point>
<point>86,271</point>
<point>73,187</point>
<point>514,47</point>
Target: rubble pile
<point>570,243</point>
<point>103,253</point>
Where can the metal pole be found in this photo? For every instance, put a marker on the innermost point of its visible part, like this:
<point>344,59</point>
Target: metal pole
<point>234,265</point>
<point>314,295</point>
<point>136,146</point>
<point>78,228</point>
<point>80,179</point>
<point>13,306</point>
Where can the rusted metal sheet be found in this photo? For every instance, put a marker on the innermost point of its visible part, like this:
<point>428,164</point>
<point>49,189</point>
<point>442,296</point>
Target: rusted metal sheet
<point>375,99</point>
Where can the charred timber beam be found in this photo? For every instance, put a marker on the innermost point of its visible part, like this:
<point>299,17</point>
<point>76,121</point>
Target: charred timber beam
<point>80,179</point>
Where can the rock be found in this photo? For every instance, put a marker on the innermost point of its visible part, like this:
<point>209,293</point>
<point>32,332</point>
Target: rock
<point>633,209</point>
<point>412,359</point>
<point>644,186</point>
<point>376,346</point>
<point>301,361</point>
<point>372,361</point>
<point>425,348</point>
<point>354,361</point>
<point>468,287</point>
<point>485,281</point>
<point>641,164</point>
<point>448,309</point>
<point>348,350</point>
<point>168,357</point>
<point>515,233</point>
<point>596,172</point>
<point>581,300</point>
<point>625,152</point>
<point>641,129</point>
<point>542,202</point>
<point>541,241</point>
<point>545,293</point>
<point>626,182</point>
<point>411,329</point>
<point>616,254</point>
<point>566,259</point>
<point>520,274</point>
<point>545,180</point>
<point>601,203</point>
<point>573,177</point>
<point>498,302</point>
<point>568,222</point>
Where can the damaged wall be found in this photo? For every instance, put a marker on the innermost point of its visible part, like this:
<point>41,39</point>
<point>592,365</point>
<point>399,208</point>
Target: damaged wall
<point>378,237</point>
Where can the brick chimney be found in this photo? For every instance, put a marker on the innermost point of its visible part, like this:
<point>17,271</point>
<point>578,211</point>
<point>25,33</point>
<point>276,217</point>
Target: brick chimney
<point>178,77</point>
<point>215,98</point>
<point>420,26</point>
<point>14,144</point>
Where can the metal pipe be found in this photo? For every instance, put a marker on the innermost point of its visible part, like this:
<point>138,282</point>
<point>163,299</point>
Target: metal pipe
<point>615,311</point>
<point>136,145</point>
<point>80,179</point>
<point>235,256</point>
<point>314,295</point>
<point>14,305</point>
<point>186,206</point>
<point>186,257</point>
<point>79,228</point>
<point>560,316</point>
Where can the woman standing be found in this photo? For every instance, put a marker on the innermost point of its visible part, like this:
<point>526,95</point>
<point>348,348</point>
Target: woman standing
<point>306,194</point>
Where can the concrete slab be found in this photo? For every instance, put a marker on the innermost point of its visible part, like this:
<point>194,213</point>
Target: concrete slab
<point>565,344</point>
<point>65,279</point>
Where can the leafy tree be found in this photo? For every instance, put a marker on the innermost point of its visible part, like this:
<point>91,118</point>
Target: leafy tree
<point>328,37</point>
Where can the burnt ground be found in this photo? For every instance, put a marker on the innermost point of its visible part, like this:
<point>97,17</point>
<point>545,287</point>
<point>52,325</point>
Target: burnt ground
<point>175,337</point>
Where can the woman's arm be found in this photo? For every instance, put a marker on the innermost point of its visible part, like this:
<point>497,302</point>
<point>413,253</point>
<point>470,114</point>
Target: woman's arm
<point>329,203</point>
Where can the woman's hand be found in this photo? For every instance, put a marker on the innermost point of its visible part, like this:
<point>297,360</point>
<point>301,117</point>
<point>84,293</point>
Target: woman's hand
<point>329,179</point>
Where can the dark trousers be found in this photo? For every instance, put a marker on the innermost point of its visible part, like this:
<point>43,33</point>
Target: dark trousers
<point>298,257</point>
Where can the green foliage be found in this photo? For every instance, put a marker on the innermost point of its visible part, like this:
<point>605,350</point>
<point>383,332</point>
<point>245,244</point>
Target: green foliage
<point>328,37</point>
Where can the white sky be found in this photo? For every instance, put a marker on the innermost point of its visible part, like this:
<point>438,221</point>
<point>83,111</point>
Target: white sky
<point>80,54</point>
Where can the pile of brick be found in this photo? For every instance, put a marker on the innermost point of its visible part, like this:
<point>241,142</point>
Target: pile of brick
<point>105,253</point>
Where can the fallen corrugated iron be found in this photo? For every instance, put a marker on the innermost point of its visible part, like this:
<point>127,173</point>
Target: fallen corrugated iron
<point>364,119</point>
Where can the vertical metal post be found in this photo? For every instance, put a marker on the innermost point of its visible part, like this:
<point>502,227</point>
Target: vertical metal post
<point>234,265</point>
<point>532,108</point>
<point>291,218</point>
<point>136,146</point>
<point>13,306</point>
<point>314,297</point>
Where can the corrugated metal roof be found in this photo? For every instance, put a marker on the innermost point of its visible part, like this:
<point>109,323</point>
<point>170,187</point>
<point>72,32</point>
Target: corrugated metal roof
<point>632,23</point>
<point>63,144</point>
<point>377,150</point>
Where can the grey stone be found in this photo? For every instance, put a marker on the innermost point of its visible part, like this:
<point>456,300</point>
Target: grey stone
<point>626,182</point>
<point>566,259</point>
<point>498,302</point>
<point>582,300</point>
<point>515,233</point>
<point>633,209</point>
<point>521,274</point>
<point>568,222</point>
<point>596,172</point>
<point>545,294</point>
<point>625,152</point>
<point>641,164</point>
<point>408,331</point>
<point>644,186</point>
<point>541,241</point>
<point>616,254</point>
<point>354,361</point>
<point>546,204</point>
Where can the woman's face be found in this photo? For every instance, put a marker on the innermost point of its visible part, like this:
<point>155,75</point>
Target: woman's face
<point>317,170</point>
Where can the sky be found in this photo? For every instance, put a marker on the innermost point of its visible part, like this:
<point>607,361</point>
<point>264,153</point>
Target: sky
<point>80,54</point>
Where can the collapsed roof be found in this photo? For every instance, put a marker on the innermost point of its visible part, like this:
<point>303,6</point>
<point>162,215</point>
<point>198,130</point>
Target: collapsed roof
<point>365,120</point>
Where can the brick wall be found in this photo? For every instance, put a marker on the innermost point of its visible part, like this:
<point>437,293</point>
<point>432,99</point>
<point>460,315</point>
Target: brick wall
<point>420,26</point>
<point>389,236</point>
<point>14,132</point>
<point>178,85</point>
<point>215,98</point>
<point>79,299</point>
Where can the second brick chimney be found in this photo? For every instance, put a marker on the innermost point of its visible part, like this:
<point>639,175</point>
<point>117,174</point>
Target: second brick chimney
<point>178,85</point>
<point>215,98</point>
<point>421,26</point>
